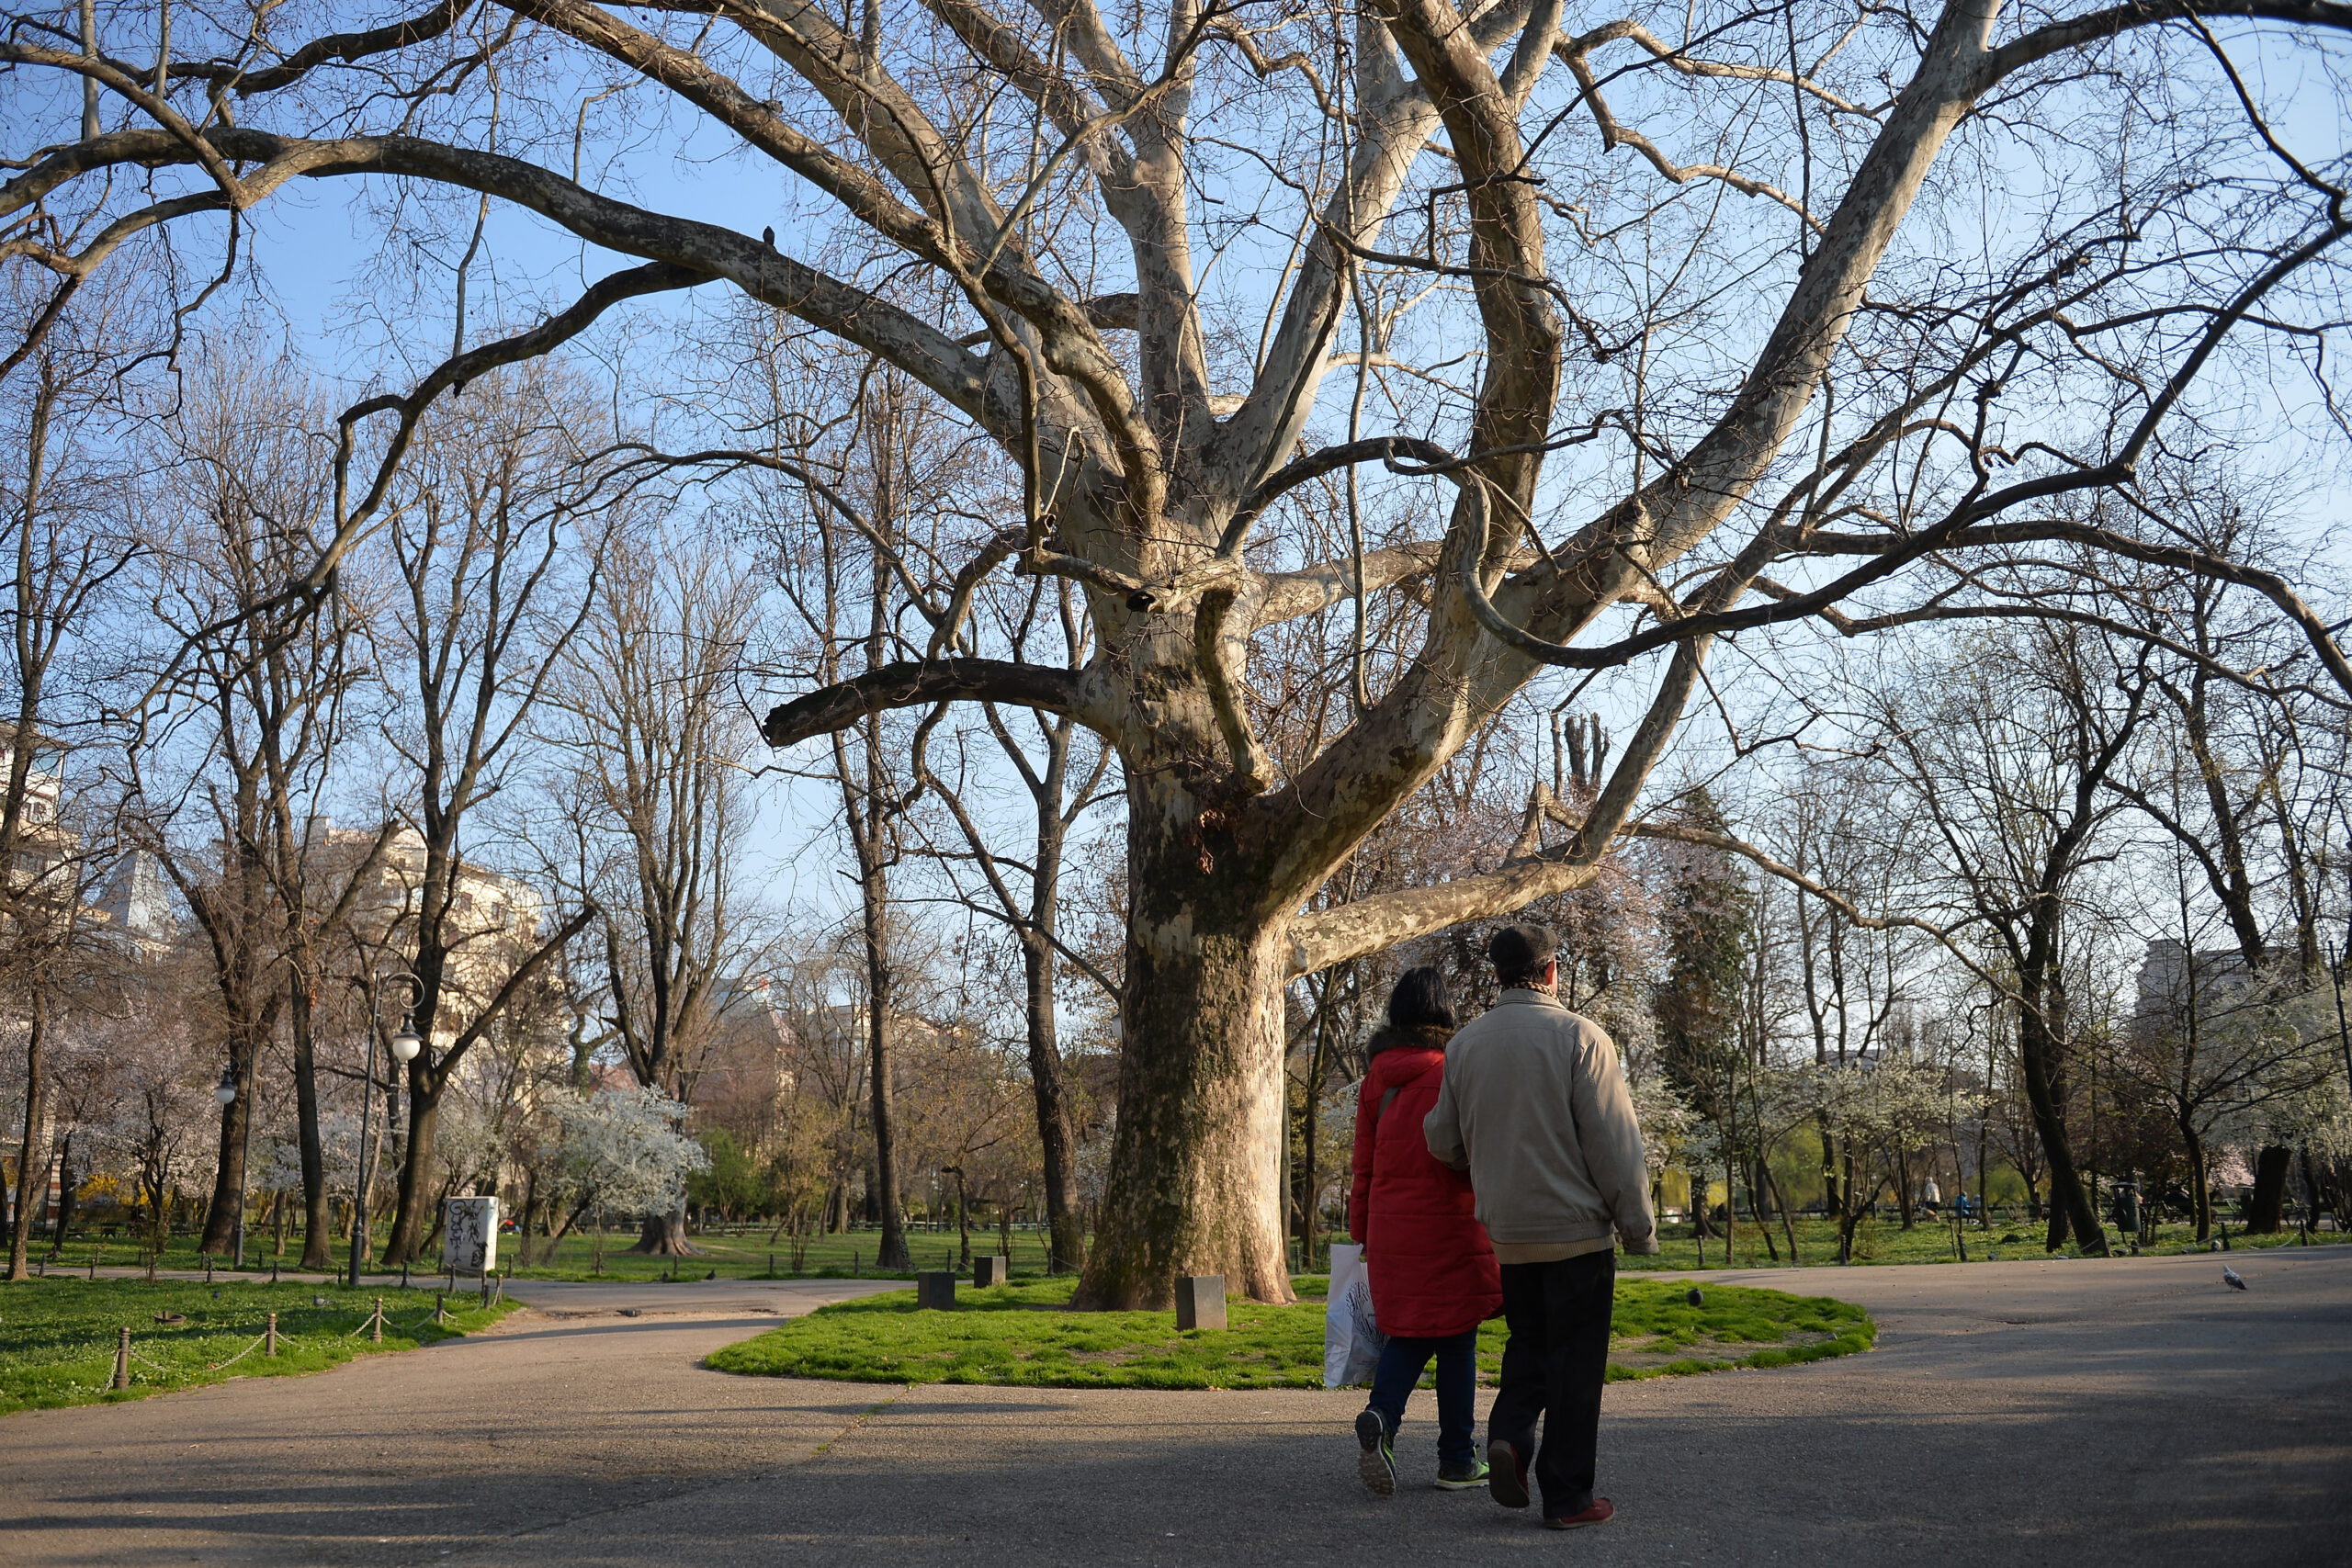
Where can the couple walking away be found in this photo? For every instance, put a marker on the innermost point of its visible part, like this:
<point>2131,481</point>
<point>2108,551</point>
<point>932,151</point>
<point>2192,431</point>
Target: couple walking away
<point>1492,1165</point>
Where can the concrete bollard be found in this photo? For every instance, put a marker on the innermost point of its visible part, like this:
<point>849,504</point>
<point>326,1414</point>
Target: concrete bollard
<point>270,1334</point>
<point>1200,1301</point>
<point>122,1358</point>
<point>989,1271</point>
<point>935,1291</point>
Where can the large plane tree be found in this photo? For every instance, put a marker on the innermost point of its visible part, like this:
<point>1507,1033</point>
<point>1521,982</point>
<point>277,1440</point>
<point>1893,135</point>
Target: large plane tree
<point>1670,324</point>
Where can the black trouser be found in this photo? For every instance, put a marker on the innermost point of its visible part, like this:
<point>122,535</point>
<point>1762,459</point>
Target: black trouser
<point>1552,1367</point>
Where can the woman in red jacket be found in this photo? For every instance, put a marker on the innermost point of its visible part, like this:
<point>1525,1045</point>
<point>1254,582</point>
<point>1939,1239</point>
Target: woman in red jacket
<point>1432,1269</point>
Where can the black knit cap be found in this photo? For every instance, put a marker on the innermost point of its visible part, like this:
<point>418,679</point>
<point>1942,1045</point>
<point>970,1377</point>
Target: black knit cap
<point>1520,953</point>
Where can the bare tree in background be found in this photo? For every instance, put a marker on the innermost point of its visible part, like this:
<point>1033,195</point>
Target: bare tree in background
<point>496,549</point>
<point>875,473</point>
<point>1062,783</point>
<point>60,522</point>
<point>657,747</point>
<point>258,696</point>
<point>2012,765</point>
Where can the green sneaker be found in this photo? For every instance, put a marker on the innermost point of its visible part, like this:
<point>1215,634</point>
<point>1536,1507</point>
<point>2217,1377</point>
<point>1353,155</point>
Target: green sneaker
<point>1377,1464</point>
<point>1462,1477</point>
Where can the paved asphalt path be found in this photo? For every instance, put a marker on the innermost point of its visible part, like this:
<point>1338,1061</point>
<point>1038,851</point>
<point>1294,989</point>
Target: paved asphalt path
<point>2127,1411</point>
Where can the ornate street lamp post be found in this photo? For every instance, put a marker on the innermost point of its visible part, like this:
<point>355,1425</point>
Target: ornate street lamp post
<point>403,1048</point>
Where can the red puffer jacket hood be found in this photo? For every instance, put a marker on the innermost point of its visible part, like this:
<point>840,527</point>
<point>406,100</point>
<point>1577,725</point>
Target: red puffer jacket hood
<point>1432,1269</point>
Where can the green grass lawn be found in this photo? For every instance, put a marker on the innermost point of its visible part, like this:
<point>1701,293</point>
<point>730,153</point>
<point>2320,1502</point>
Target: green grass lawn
<point>58,1336</point>
<point>1025,1335</point>
<point>734,1254</point>
<point>747,1253</point>
<point>1884,1240</point>
<point>743,1255</point>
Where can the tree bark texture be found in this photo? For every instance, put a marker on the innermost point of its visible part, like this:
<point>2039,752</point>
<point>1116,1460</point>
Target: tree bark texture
<point>227,1207</point>
<point>406,1241</point>
<point>664,1235</point>
<point>32,1159</point>
<point>2268,1212</point>
<point>1049,1085</point>
<point>67,1187</point>
<point>2201,1189</point>
<point>318,1219</point>
<point>1198,1146</point>
<point>880,998</point>
<point>2070,1207</point>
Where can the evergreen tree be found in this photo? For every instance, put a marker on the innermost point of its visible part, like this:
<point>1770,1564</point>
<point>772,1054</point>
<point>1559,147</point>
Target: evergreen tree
<point>1707,910</point>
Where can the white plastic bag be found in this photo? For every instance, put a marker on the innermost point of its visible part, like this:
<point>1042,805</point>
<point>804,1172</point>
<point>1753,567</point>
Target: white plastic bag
<point>1352,1339</point>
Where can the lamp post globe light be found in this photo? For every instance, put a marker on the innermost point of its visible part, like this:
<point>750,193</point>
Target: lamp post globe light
<point>403,1048</point>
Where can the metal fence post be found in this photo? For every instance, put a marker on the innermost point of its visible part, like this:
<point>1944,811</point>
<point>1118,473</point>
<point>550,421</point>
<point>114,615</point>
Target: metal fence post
<point>271,1335</point>
<point>122,1358</point>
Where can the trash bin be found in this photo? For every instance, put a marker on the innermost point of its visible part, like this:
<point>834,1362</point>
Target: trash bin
<point>2127,1207</point>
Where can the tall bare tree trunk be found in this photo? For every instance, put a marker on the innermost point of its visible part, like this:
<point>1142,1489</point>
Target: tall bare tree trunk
<point>2200,1188</point>
<point>229,1177</point>
<point>874,889</point>
<point>1201,1111</point>
<point>1050,1084</point>
<point>31,1158</point>
<point>318,1219</point>
<point>65,1189</point>
<point>2069,1205</point>
<point>411,1214</point>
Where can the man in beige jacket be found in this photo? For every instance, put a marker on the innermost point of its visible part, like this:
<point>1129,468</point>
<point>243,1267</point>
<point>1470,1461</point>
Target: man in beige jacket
<point>1534,1106</point>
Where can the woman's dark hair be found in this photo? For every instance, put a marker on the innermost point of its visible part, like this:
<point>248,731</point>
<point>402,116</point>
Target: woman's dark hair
<point>1419,1000</point>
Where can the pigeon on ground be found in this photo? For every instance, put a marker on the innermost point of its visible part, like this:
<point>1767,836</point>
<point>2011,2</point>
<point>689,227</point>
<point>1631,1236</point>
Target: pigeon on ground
<point>2229,1278</point>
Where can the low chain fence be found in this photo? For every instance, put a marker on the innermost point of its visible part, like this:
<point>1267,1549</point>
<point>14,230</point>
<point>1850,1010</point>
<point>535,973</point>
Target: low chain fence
<point>45,1363</point>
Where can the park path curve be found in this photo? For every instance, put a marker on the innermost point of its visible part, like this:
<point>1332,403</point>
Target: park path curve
<point>2072,1413</point>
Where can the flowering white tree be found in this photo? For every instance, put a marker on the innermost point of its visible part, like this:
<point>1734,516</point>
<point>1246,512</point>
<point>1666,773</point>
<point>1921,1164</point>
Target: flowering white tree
<point>154,1130</point>
<point>622,1151</point>
<point>1882,1108</point>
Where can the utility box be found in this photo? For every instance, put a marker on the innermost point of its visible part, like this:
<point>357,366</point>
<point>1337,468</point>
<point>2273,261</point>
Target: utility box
<point>935,1291</point>
<point>987,1271</point>
<point>470,1236</point>
<point>1200,1301</point>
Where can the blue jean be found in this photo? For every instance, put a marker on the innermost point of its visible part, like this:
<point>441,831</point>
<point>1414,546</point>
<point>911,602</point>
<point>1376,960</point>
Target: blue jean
<point>1401,1360</point>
